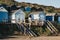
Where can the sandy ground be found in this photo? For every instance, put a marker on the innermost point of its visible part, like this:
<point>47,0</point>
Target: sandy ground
<point>32,38</point>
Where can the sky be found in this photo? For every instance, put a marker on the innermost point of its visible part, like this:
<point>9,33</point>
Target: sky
<point>55,3</point>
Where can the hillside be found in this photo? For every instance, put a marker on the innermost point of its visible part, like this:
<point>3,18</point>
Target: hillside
<point>46,8</point>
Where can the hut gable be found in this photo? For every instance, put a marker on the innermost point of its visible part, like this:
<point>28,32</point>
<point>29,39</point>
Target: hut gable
<point>3,9</point>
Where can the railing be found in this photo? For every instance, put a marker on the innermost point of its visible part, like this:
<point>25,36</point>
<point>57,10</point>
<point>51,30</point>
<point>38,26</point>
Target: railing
<point>26,29</point>
<point>51,27</point>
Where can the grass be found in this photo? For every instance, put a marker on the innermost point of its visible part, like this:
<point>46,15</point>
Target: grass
<point>41,31</point>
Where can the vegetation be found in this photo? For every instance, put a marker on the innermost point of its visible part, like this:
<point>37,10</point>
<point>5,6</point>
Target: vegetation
<point>51,10</point>
<point>46,8</point>
<point>41,31</point>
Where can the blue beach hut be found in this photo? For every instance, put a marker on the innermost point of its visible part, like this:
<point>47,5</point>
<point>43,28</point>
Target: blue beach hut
<point>50,16</point>
<point>3,15</point>
<point>27,9</point>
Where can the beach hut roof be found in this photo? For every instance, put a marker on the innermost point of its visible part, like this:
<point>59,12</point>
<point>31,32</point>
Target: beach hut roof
<point>19,10</point>
<point>58,14</point>
<point>3,9</point>
<point>50,14</point>
<point>37,12</point>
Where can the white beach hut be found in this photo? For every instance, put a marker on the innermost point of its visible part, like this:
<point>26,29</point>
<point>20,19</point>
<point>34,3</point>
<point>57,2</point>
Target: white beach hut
<point>18,16</point>
<point>38,17</point>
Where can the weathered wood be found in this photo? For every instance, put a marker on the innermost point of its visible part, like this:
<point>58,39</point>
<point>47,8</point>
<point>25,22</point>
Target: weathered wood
<point>52,27</point>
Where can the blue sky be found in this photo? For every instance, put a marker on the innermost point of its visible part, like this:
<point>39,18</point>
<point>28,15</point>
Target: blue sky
<point>55,3</point>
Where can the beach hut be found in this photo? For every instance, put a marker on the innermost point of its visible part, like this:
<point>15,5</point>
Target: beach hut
<point>50,16</point>
<point>18,16</point>
<point>27,9</point>
<point>3,15</point>
<point>38,17</point>
<point>58,17</point>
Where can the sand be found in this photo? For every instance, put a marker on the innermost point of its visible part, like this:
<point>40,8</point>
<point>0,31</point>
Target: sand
<point>32,38</point>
